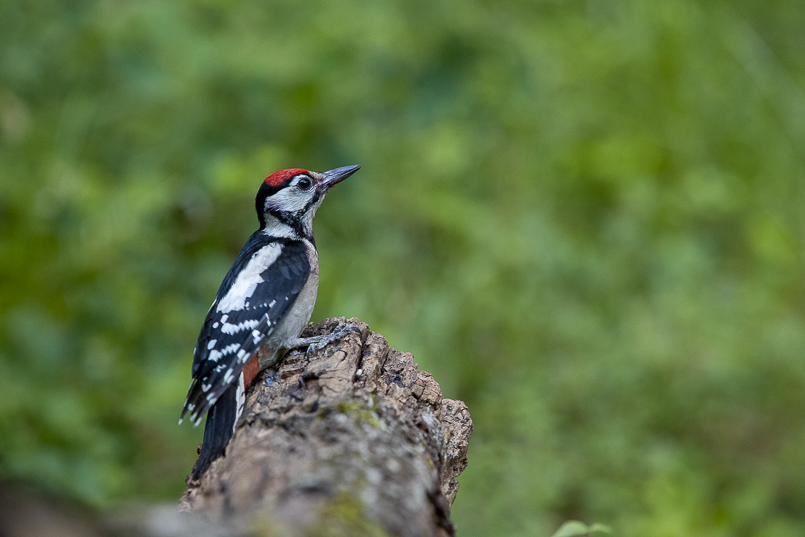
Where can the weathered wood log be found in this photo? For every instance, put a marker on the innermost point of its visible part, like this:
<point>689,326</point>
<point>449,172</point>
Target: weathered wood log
<point>352,440</point>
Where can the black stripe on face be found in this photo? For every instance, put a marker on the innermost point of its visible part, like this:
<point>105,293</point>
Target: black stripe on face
<point>260,201</point>
<point>263,193</point>
<point>295,219</point>
<point>315,199</point>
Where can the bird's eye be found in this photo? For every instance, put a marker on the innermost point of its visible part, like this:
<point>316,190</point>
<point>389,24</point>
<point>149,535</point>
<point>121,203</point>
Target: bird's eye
<point>304,183</point>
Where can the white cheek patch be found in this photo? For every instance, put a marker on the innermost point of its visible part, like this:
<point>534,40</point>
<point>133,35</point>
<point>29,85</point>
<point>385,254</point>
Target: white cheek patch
<point>249,278</point>
<point>290,199</point>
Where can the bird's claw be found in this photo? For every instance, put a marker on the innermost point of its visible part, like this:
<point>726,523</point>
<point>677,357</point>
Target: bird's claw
<point>326,339</point>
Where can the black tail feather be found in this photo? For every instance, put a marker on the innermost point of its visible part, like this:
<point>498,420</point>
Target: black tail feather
<point>218,430</point>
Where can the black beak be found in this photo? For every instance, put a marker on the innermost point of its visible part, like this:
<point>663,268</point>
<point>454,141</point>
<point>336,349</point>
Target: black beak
<point>333,177</point>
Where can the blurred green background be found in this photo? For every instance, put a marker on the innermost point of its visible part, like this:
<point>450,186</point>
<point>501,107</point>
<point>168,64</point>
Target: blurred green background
<point>585,218</point>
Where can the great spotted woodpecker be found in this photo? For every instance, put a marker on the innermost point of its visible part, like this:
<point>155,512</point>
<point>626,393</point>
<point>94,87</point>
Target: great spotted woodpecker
<point>263,304</point>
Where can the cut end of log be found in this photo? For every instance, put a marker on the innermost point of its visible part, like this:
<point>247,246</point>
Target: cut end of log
<point>352,438</point>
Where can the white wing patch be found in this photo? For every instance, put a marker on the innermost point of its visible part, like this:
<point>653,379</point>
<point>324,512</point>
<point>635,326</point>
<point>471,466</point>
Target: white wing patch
<point>248,279</point>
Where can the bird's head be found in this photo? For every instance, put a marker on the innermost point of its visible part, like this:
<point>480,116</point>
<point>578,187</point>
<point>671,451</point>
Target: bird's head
<point>290,198</point>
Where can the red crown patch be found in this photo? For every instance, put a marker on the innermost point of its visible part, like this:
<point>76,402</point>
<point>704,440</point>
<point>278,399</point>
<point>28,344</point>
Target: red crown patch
<point>277,179</point>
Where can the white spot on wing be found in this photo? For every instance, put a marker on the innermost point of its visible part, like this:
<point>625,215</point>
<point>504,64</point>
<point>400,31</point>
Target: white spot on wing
<point>244,325</point>
<point>228,377</point>
<point>230,349</point>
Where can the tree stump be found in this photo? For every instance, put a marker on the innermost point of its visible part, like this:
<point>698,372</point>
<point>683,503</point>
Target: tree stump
<point>353,440</point>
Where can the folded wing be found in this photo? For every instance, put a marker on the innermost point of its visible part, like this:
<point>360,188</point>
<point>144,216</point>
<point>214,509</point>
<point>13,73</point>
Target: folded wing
<point>257,292</point>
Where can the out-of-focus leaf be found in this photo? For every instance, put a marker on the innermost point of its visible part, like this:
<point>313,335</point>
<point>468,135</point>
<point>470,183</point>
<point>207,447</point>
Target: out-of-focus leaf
<point>574,528</point>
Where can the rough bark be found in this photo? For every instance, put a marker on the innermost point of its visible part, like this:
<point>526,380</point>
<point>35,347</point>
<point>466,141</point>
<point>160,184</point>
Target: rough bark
<point>352,440</point>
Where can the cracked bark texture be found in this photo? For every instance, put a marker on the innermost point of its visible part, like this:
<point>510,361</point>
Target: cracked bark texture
<point>352,440</point>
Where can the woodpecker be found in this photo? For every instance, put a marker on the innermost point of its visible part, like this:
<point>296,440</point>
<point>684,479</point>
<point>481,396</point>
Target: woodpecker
<point>263,304</point>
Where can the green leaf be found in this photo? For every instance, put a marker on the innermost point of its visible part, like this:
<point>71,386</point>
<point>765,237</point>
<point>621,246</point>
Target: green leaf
<point>600,528</point>
<point>572,528</point>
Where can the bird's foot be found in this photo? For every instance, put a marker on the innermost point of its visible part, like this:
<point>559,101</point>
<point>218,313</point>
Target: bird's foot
<point>316,343</point>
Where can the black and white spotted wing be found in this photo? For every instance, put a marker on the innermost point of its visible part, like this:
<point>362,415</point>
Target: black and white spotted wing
<point>256,293</point>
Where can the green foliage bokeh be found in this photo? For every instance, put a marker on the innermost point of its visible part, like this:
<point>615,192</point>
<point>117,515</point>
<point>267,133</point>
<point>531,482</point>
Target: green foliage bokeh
<point>585,218</point>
